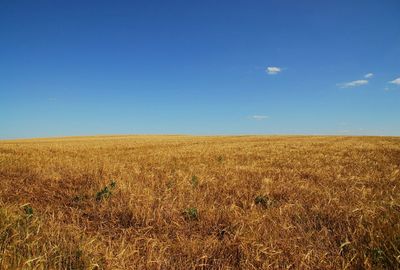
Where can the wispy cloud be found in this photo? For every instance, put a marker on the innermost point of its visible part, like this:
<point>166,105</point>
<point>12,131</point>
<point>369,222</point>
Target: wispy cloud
<point>396,81</point>
<point>368,75</point>
<point>259,117</point>
<point>273,70</point>
<point>353,84</point>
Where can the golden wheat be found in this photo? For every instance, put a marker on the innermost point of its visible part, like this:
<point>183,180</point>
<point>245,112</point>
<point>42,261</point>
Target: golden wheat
<point>182,202</point>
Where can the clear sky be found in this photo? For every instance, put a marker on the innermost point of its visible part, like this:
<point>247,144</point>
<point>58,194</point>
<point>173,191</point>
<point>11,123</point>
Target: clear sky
<point>199,67</point>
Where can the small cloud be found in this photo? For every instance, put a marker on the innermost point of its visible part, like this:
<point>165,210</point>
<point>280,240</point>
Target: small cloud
<point>273,70</point>
<point>259,117</point>
<point>353,84</point>
<point>368,75</point>
<point>396,81</point>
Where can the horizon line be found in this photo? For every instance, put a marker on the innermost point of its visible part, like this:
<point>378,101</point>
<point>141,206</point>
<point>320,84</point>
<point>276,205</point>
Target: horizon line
<point>196,135</point>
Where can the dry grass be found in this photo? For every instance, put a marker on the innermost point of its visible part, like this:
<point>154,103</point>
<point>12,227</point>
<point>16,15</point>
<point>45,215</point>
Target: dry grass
<point>183,202</point>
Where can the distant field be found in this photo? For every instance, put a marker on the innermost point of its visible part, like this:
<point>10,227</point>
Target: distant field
<point>181,202</point>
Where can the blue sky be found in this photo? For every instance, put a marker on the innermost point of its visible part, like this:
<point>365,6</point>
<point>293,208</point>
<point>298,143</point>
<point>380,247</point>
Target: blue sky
<point>199,67</point>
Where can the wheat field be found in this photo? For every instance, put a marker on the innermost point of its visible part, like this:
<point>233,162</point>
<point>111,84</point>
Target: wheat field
<point>190,202</point>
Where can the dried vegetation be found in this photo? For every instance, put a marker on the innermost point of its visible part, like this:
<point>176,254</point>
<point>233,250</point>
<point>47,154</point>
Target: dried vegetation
<point>181,202</point>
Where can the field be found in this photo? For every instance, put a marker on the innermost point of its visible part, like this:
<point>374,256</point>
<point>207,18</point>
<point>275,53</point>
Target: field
<point>185,202</point>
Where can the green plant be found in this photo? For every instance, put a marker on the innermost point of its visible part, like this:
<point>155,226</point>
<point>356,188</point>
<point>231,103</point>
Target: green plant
<point>113,184</point>
<point>28,210</point>
<point>106,192</point>
<point>262,200</point>
<point>191,213</point>
<point>194,181</point>
<point>79,198</point>
<point>378,256</point>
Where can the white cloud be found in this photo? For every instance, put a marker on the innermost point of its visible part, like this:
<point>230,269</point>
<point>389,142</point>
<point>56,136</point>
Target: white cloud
<point>259,117</point>
<point>273,70</point>
<point>369,75</point>
<point>353,84</point>
<point>396,81</point>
